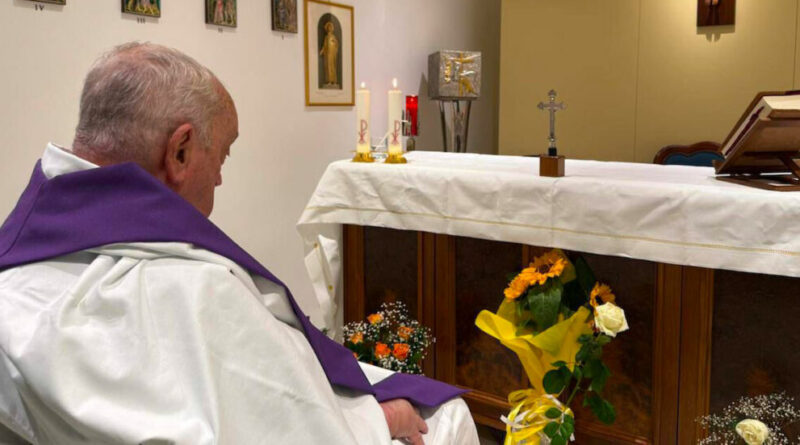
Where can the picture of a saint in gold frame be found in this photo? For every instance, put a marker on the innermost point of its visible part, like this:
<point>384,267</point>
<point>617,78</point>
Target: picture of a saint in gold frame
<point>150,8</point>
<point>329,52</point>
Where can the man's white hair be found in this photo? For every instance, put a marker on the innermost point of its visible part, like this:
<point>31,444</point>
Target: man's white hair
<point>136,95</point>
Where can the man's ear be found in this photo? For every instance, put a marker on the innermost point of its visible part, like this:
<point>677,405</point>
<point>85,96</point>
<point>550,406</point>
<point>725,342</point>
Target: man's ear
<point>180,149</point>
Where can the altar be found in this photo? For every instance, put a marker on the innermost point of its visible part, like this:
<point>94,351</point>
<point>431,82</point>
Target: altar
<point>707,272</point>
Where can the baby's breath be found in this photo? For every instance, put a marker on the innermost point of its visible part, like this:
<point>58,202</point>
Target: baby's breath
<point>774,410</point>
<point>391,328</point>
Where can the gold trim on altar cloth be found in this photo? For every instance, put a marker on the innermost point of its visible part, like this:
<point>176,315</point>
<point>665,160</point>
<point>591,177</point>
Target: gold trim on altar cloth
<point>559,229</point>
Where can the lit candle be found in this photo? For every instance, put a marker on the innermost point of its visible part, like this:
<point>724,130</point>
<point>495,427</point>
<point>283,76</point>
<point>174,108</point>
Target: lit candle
<point>362,115</point>
<point>395,119</point>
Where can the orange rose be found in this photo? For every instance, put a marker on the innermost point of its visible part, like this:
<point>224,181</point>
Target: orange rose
<point>357,338</point>
<point>382,350</point>
<point>401,351</point>
<point>404,332</point>
<point>375,318</point>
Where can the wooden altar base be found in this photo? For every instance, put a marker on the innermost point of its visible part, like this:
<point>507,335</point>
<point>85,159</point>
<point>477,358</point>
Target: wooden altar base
<point>698,337</point>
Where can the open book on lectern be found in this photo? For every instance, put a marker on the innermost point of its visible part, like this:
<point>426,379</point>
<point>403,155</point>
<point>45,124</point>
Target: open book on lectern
<point>763,148</point>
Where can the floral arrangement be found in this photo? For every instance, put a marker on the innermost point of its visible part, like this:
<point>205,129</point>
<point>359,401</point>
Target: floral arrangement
<point>557,318</point>
<point>389,339</point>
<point>758,420</point>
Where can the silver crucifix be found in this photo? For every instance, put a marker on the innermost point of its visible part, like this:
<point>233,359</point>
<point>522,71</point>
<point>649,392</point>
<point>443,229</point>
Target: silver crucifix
<point>552,107</point>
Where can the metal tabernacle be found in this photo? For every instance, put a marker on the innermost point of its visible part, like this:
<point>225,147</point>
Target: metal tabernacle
<point>454,79</point>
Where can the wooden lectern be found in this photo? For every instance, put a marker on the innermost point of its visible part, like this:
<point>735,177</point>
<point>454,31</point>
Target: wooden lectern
<point>762,149</point>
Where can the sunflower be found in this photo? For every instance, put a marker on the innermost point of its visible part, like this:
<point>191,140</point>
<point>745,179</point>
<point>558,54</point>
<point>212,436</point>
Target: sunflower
<point>602,291</point>
<point>517,287</point>
<point>548,266</point>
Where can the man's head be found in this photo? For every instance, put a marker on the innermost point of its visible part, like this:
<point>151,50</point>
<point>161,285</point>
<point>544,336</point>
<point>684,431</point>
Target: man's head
<point>159,108</point>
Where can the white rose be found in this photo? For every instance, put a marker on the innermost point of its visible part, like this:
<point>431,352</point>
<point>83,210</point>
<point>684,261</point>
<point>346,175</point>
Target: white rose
<point>753,432</point>
<point>610,319</point>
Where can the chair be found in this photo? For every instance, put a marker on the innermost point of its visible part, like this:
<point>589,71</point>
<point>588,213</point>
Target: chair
<point>701,154</point>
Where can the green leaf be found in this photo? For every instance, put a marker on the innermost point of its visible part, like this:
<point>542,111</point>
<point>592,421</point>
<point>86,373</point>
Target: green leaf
<point>567,429</point>
<point>577,373</point>
<point>574,296</point>
<point>602,408</point>
<point>555,381</point>
<point>544,304</point>
<point>603,340</point>
<point>570,420</point>
<point>559,364</point>
<point>586,277</point>
<point>591,368</point>
<point>553,413</point>
<point>599,380</point>
<point>559,440</point>
<point>551,429</point>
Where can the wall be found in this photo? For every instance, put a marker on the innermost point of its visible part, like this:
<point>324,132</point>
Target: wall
<point>283,146</point>
<point>637,74</point>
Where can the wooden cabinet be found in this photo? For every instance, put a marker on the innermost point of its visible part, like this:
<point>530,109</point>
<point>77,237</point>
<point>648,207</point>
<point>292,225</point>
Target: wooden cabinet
<point>666,370</point>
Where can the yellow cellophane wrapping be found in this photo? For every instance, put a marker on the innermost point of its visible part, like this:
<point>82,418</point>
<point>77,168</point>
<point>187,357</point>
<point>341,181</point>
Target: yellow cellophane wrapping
<point>536,352</point>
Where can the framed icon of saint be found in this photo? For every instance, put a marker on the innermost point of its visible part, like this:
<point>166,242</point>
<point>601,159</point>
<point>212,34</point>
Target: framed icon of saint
<point>329,54</point>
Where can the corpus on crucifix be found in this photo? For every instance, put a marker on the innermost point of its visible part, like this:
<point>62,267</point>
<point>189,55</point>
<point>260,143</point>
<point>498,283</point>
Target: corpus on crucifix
<point>552,164</point>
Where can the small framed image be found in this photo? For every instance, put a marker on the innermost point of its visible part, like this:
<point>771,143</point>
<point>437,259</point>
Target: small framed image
<point>329,51</point>
<point>150,8</point>
<point>221,12</point>
<point>54,2</point>
<point>284,15</point>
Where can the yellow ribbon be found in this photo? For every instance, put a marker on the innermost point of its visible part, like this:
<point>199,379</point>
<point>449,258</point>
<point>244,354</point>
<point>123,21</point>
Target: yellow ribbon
<point>527,418</point>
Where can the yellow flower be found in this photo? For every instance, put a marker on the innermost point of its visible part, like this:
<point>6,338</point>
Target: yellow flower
<point>357,338</point>
<point>602,291</point>
<point>516,287</point>
<point>375,318</point>
<point>404,332</point>
<point>547,266</point>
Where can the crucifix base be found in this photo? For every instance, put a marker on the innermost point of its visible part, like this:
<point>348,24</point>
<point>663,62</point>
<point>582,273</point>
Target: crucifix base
<point>551,166</point>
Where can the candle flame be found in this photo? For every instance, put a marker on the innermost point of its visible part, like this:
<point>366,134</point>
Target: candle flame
<point>394,83</point>
<point>363,85</point>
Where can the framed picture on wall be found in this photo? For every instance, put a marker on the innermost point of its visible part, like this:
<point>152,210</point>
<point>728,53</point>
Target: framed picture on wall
<point>221,12</point>
<point>150,8</point>
<point>329,50</point>
<point>284,15</point>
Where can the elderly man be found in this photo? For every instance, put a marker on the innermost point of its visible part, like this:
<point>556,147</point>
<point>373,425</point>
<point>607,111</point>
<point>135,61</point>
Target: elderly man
<point>127,317</point>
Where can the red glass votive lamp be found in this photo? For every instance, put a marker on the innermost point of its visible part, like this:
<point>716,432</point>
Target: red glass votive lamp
<point>412,107</point>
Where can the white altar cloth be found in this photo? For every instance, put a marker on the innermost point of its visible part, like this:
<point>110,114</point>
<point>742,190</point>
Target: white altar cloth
<point>670,214</point>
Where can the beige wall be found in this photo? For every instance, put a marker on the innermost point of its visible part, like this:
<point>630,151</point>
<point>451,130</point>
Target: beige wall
<point>637,74</point>
<point>283,146</point>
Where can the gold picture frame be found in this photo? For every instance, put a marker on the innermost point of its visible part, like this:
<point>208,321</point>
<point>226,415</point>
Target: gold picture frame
<point>329,42</point>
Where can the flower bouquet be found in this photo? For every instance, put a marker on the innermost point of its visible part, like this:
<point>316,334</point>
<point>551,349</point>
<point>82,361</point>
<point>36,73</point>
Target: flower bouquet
<point>389,339</point>
<point>557,318</point>
<point>758,420</point>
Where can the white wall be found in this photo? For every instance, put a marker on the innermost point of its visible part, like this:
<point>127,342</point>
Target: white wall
<point>283,146</point>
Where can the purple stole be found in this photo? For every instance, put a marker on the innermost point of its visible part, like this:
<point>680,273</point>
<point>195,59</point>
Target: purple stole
<point>124,204</point>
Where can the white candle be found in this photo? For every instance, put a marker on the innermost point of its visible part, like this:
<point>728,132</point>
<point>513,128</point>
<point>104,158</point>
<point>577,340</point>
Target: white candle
<point>362,119</point>
<point>395,119</point>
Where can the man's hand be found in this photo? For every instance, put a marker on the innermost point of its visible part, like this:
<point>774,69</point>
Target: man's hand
<point>404,421</point>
